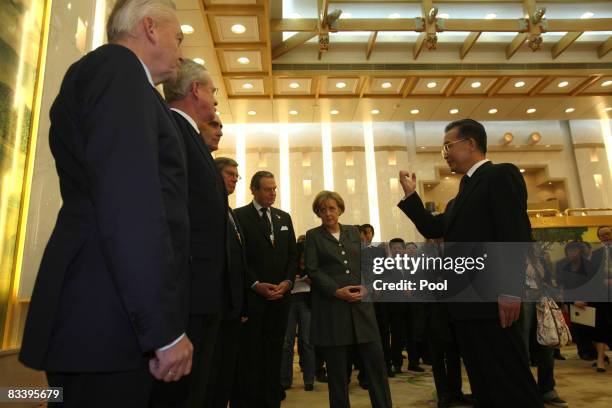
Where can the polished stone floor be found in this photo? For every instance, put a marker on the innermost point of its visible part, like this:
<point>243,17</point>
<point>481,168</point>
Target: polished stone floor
<point>577,382</point>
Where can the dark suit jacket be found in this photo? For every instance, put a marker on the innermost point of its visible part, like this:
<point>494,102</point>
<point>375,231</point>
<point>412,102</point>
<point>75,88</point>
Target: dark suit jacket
<point>332,265</point>
<point>268,263</point>
<point>208,217</point>
<point>236,269</point>
<point>113,278</point>
<point>492,208</point>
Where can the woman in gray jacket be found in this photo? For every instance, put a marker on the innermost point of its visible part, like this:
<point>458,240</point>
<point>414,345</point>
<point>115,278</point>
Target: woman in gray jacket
<point>340,320</point>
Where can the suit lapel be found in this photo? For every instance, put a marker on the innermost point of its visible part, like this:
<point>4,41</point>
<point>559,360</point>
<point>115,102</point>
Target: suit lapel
<point>168,112</point>
<point>462,197</point>
<point>257,220</point>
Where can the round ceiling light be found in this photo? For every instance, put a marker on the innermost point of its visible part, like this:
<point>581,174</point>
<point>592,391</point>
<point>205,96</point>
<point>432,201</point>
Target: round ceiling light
<point>238,29</point>
<point>519,84</point>
<point>243,60</point>
<point>187,29</point>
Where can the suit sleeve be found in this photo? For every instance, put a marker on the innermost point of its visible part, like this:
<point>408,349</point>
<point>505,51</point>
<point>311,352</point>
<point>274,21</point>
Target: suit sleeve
<point>430,226</point>
<point>121,150</point>
<point>292,260</point>
<point>311,258</point>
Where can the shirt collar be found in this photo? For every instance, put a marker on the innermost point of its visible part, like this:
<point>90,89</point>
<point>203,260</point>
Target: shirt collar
<point>188,119</point>
<point>258,207</point>
<point>475,167</point>
<point>149,77</point>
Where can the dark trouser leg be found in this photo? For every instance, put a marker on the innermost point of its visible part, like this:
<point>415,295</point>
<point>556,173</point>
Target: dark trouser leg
<point>336,358</point>
<point>383,327</point>
<point>376,370</point>
<point>497,365</point>
<point>274,328</point>
<point>288,345</point>
<point>398,334</point>
<point>307,356</point>
<point>103,390</point>
<point>221,382</point>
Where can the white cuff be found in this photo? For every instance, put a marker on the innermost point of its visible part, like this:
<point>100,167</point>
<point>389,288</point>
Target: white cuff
<point>172,344</point>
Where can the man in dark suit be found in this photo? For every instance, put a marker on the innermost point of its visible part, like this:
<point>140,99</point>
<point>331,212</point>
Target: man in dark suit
<point>108,308</point>
<point>191,98</point>
<point>272,259</point>
<point>491,206</point>
<point>225,357</point>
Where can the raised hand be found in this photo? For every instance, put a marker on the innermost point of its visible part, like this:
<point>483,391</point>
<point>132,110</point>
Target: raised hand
<point>408,182</point>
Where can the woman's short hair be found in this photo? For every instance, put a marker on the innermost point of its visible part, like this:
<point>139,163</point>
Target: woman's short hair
<point>324,196</point>
<point>126,15</point>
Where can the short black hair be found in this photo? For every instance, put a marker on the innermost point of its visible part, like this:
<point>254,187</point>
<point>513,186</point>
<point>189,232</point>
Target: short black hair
<point>602,227</point>
<point>396,240</point>
<point>412,244</point>
<point>470,129</point>
<point>223,162</point>
<point>256,179</point>
<point>364,227</point>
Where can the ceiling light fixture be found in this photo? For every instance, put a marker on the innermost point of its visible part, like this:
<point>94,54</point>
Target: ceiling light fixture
<point>394,15</point>
<point>431,85</point>
<point>243,60</point>
<point>340,85</point>
<point>247,85</point>
<point>492,111</point>
<point>199,61</point>
<point>606,83</point>
<point>414,111</point>
<point>443,15</point>
<point>187,29</point>
<point>522,170</point>
<point>475,84</point>
<point>238,29</point>
<point>386,85</point>
<point>588,14</point>
<point>608,109</point>
<point>569,110</point>
<point>375,111</point>
<point>334,112</point>
<point>490,16</point>
<point>251,113</point>
<point>453,111</point>
<point>531,110</point>
<point>293,112</point>
<point>563,84</point>
<point>294,85</point>
<point>519,84</point>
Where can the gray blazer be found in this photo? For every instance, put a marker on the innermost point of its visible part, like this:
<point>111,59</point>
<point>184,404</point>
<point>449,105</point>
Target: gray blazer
<point>332,265</point>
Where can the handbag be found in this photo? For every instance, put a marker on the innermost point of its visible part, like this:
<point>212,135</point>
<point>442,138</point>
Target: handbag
<point>552,330</point>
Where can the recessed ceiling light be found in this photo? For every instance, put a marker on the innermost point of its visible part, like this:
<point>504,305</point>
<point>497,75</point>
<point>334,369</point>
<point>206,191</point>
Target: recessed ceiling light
<point>334,112</point>
<point>251,113</point>
<point>522,170</point>
<point>187,29</point>
<point>492,111</point>
<point>531,110</point>
<point>588,14</point>
<point>386,85</point>
<point>294,85</point>
<point>563,84</point>
<point>293,112</point>
<point>475,84</point>
<point>375,111</point>
<point>432,84</point>
<point>547,145</point>
<point>243,60</point>
<point>606,83</point>
<point>443,15</point>
<point>345,15</point>
<point>247,85</point>
<point>295,15</point>
<point>453,111</point>
<point>238,29</point>
<point>519,84</point>
<point>490,16</point>
<point>569,110</point>
<point>340,85</point>
<point>414,111</point>
<point>394,15</point>
<point>199,61</point>
<point>608,109</point>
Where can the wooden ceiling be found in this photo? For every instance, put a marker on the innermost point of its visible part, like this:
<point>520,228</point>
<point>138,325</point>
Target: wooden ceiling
<point>275,60</point>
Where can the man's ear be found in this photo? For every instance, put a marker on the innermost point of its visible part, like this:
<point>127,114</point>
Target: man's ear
<point>150,29</point>
<point>193,89</point>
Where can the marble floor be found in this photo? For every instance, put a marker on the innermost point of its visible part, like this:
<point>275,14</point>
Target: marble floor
<point>577,382</point>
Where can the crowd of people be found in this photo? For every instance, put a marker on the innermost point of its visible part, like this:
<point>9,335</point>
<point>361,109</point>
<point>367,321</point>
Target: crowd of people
<point>153,292</point>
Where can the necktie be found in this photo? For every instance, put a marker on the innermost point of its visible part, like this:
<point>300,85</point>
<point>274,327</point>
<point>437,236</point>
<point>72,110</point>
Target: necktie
<point>266,221</point>
<point>464,182</point>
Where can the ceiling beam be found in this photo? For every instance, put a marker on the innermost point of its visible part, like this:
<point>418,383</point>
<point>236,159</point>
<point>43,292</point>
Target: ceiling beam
<point>241,46</point>
<point>418,45</point>
<point>498,85</point>
<point>584,85</point>
<point>452,87</point>
<point>579,24</point>
<point>516,43</point>
<point>539,87</point>
<point>604,48</point>
<point>409,86</point>
<point>468,43</point>
<point>234,9</point>
<point>291,43</point>
<point>371,44</point>
<point>365,82</point>
<point>353,24</point>
<point>563,44</point>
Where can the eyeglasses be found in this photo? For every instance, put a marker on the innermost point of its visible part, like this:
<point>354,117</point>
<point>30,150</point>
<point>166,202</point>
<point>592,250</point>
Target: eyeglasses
<point>446,147</point>
<point>232,175</point>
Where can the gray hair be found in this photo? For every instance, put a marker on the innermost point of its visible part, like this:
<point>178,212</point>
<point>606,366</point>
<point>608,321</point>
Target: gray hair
<point>223,162</point>
<point>189,73</point>
<point>256,179</point>
<point>128,13</point>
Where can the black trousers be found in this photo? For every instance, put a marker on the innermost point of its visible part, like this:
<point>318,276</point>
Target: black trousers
<point>446,362</point>
<point>225,358</point>
<point>372,356</point>
<point>382,319</point>
<point>129,389</point>
<point>496,363</point>
<point>259,366</point>
<point>190,391</point>
<point>408,323</point>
